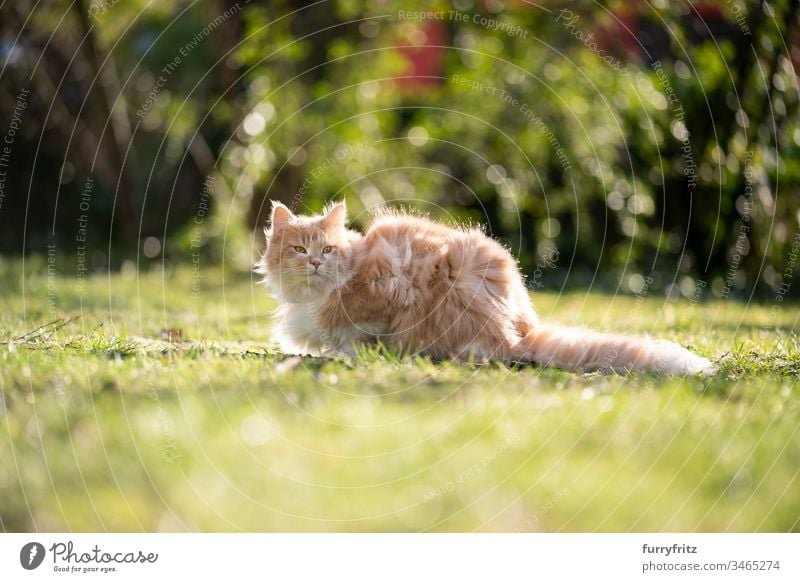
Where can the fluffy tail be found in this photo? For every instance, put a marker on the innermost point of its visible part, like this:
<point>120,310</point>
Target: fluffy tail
<point>575,348</point>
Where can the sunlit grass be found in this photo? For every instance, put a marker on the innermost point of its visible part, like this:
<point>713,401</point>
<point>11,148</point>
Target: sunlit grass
<point>134,404</point>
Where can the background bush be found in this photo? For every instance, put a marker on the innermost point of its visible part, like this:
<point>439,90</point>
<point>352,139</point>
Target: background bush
<point>607,142</point>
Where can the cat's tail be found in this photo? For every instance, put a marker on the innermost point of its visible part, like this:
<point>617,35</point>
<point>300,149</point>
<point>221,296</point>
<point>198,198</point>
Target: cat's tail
<point>575,348</point>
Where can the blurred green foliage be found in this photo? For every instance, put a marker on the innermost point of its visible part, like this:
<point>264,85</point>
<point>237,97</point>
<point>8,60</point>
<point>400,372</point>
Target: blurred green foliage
<point>640,142</point>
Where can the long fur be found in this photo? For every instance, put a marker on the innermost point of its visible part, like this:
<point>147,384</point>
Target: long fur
<point>424,287</point>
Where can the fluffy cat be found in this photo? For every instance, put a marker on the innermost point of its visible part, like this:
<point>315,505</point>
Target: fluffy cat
<point>427,288</point>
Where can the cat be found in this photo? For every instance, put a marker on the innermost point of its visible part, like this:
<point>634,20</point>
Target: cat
<point>425,287</point>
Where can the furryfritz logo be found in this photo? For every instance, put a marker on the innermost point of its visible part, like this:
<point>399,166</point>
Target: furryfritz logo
<point>31,555</point>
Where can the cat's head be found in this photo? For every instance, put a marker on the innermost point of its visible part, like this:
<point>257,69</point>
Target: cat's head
<point>306,256</point>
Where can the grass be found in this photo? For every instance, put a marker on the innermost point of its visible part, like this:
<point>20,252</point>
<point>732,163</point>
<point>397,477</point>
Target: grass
<point>130,404</point>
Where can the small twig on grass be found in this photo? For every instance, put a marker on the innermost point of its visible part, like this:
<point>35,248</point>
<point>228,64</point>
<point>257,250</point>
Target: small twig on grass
<point>50,327</point>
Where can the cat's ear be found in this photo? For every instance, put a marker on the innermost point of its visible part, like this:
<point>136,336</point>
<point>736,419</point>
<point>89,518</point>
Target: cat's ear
<point>281,215</point>
<point>336,216</point>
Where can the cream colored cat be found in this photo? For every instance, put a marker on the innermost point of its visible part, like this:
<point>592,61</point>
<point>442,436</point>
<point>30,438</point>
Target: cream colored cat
<point>427,288</point>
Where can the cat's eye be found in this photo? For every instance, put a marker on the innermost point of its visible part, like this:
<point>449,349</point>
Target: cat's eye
<point>326,250</point>
<point>300,250</point>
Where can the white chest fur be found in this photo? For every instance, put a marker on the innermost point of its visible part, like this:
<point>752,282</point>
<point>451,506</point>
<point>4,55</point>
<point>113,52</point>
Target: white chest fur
<point>300,330</point>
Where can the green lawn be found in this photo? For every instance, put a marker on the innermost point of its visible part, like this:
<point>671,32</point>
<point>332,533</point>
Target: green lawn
<point>105,424</point>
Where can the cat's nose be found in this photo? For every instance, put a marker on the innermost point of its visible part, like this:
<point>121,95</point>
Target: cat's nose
<point>315,262</point>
